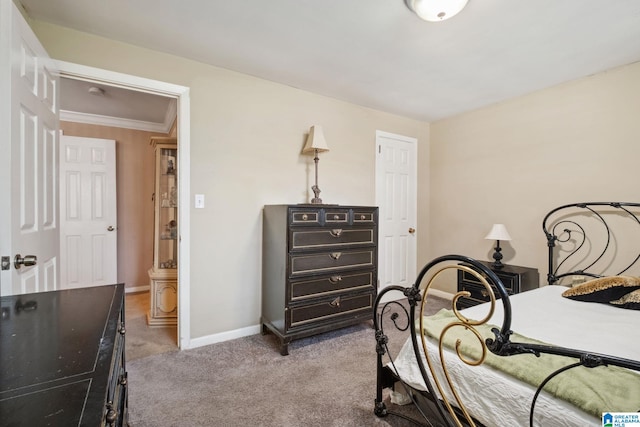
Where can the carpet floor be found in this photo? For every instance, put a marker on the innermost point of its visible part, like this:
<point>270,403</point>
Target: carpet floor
<point>326,380</point>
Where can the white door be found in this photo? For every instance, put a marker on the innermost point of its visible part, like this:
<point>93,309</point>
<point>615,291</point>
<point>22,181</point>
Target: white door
<point>88,215</point>
<point>29,232</point>
<point>396,178</point>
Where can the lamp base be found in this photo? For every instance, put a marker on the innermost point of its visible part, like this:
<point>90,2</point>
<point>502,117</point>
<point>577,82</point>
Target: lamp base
<point>316,192</point>
<point>497,256</point>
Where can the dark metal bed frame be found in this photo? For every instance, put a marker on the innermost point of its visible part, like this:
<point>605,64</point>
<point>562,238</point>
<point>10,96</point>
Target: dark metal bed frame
<point>562,225</point>
<point>565,225</point>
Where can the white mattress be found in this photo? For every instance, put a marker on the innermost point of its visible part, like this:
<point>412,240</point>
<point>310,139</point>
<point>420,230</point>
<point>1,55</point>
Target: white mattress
<point>496,399</point>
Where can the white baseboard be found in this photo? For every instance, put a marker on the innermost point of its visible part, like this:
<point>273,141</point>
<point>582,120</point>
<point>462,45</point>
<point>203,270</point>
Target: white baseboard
<point>136,289</point>
<point>223,336</point>
<point>255,329</point>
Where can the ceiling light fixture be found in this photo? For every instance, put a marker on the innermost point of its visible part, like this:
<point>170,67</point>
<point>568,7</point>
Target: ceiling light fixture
<point>97,91</point>
<point>436,10</point>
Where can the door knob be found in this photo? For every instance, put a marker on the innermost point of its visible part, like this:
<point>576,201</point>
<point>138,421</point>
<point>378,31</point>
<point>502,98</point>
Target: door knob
<point>412,230</point>
<point>110,228</point>
<point>27,261</point>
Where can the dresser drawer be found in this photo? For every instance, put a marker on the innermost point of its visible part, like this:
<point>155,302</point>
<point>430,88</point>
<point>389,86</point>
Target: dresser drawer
<point>330,310</point>
<point>331,237</point>
<point>478,292</point>
<point>336,216</point>
<point>329,262</point>
<point>510,281</point>
<point>117,393</point>
<point>301,216</point>
<point>324,286</point>
<point>364,217</point>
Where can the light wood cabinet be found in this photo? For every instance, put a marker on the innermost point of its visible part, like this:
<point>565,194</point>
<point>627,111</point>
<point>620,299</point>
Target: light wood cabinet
<point>163,276</point>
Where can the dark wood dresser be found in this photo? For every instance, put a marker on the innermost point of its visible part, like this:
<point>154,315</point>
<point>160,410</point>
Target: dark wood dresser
<point>62,358</point>
<point>515,279</point>
<point>319,269</point>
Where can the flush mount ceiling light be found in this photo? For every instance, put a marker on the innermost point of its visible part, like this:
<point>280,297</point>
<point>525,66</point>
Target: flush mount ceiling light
<point>97,91</point>
<point>436,10</point>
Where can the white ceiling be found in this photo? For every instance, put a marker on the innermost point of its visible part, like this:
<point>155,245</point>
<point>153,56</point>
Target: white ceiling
<point>376,53</point>
<point>99,104</point>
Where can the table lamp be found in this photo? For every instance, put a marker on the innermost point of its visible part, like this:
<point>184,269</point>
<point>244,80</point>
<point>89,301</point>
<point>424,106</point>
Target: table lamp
<point>315,144</point>
<point>498,232</point>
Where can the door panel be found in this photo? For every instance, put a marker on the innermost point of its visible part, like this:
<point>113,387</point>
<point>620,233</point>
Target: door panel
<point>396,177</point>
<point>29,141</point>
<point>88,215</point>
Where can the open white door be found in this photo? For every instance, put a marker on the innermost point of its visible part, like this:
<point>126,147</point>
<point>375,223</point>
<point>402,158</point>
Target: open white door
<point>29,232</point>
<point>396,178</point>
<point>88,214</point>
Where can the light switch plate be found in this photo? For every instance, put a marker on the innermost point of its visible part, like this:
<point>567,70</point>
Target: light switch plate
<point>199,201</point>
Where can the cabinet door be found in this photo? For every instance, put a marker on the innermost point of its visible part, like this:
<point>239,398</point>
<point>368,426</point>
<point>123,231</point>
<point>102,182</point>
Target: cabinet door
<point>164,298</point>
<point>167,209</point>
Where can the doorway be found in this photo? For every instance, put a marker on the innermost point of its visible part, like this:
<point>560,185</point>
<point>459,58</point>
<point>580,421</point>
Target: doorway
<point>181,94</point>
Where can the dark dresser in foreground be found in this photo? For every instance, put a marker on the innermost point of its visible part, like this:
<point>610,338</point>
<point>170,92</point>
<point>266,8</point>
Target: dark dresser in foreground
<point>515,279</point>
<point>319,269</point>
<point>62,358</point>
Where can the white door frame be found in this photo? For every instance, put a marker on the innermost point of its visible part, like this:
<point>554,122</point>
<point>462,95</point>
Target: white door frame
<point>412,204</point>
<point>181,93</point>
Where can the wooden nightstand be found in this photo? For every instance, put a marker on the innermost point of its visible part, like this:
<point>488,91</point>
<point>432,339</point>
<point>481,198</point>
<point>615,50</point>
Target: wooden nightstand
<point>515,279</point>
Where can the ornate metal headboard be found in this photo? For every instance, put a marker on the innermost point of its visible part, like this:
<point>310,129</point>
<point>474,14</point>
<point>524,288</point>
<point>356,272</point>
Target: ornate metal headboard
<point>592,239</point>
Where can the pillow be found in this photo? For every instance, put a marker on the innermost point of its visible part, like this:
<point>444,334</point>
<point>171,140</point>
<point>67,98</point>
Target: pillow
<point>603,290</point>
<point>630,301</point>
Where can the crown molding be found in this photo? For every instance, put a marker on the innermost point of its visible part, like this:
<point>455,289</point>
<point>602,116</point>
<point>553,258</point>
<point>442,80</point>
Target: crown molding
<point>96,119</point>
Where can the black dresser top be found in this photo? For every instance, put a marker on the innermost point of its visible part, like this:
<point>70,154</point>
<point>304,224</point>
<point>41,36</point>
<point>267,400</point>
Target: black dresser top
<point>55,355</point>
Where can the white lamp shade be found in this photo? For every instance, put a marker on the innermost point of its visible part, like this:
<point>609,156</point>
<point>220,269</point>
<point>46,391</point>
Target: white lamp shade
<point>436,10</point>
<point>315,141</point>
<point>498,232</point>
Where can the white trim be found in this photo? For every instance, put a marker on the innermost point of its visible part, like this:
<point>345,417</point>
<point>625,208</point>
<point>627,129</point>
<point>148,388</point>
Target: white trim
<point>181,93</point>
<point>136,289</point>
<point>96,119</point>
<point>184,216</point>
<point>225,336</point>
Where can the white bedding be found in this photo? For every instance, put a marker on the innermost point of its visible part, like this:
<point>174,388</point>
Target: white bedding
<point>494,398</point>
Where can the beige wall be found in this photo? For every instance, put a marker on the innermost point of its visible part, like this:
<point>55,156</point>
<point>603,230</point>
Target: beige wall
<point>515,161</point>
<point>134,184</point>
<point>246,138</point>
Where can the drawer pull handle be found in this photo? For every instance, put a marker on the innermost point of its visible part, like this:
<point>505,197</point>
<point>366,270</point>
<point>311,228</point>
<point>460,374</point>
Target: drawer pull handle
<point>111,416</point>
<point>336,217</point>
<point>335,255</point>
<point>363,217</point>
<point>305,217</point>
<point>336,232</point>
<point>122,330</point>
<point>335,279</point>
<point>335,302</point>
